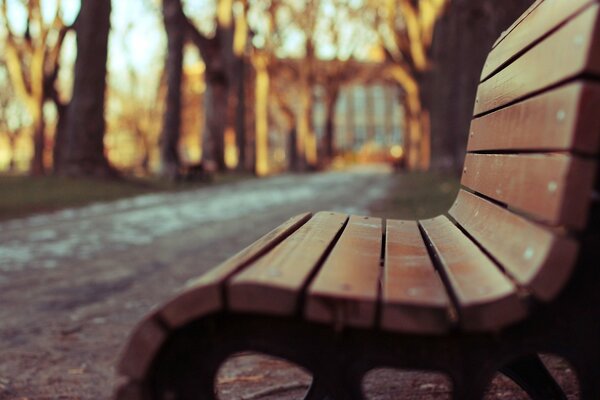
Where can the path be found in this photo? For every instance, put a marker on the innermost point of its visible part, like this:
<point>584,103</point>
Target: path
<point>73,283</point>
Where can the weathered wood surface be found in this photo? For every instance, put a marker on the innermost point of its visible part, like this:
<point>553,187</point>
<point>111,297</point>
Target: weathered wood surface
<point>346,289</point>
<point>205,294</point>
<point>544,65</point>
<point>141,348</point>
<point>537,258</point>
<point>564,119</point>
<point>274,283</point>
<point>486,298</point>
<point>518,21</point>
<point>414,298</point>
<point>538,21</point>
<point>554,188</point>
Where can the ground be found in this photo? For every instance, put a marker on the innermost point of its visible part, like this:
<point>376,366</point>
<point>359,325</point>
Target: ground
<point>73,283</point>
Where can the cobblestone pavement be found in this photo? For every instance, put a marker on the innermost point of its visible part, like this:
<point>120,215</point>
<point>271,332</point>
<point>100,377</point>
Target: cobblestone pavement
<point>73,283</point>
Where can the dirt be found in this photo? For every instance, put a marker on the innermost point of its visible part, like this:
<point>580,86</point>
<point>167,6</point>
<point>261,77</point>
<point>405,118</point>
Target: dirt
<point>67,310</point>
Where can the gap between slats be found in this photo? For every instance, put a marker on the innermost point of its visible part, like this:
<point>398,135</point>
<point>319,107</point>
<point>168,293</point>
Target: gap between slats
<point>379,303</point>
<point>518,22</point>
<point>582,77</point>
<point>521,290</point>
<point>535,42</point>
<point>303,291</point>
<point>453,306</point>
<point>474,314</point>
<point>541,68</point>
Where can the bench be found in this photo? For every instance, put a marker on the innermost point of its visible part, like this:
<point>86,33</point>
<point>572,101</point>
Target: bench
<point>509,272</point>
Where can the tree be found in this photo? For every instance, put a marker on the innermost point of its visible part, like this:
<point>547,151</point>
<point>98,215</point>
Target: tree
<point>222,55</point>
<point>83,152</point>
<point>11,116</point>
<point>32,61</point>
<point>174,21</point>
<point>462,40</point>
<point>405,29</point>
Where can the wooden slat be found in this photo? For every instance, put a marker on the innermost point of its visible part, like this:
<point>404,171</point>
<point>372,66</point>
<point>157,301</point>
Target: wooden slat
<point>414,298</point>
<point>554,188</point>
<point>486,299</point>
<point>537,258</point>
<point>539,20</point>
<point>565,119</point>
<point>345,290</point>
<point>517,22</point>
<point>562,55</point>
<point>140,350</point>
<point>274,283</point>
<point>204,295</point>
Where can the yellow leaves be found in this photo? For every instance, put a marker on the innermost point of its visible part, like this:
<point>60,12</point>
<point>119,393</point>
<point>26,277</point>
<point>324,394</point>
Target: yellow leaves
<point>240,36</point>
<point>260,62</point>
<point>224,15</point>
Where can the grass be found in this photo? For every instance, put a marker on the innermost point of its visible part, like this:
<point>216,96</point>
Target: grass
<point>418,195</point>
<point>21,196</point>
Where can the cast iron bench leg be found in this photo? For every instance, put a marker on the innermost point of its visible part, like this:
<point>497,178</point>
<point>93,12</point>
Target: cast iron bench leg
<point>532,376</point>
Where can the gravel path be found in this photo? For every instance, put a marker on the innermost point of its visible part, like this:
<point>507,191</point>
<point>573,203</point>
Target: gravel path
<point>73,283</point>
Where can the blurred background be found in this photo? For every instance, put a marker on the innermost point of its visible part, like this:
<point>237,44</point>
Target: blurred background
<point>187,89</point>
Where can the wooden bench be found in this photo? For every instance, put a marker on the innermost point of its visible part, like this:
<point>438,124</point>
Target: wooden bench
<point>512,270</point>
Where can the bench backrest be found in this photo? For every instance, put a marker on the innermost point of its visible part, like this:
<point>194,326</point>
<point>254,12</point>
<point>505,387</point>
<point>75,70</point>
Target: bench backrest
<point>534,141</point>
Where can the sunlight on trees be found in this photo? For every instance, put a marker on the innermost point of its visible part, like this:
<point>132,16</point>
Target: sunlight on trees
<point>253,85</point>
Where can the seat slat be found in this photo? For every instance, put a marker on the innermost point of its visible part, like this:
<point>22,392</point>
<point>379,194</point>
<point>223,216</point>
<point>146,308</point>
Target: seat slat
<point>204,294</point>
<point>565,119</point>
<point>543,65</point>
<point>554,188</point>
<point>414,297</point>
<point>274,283</point>
<point>486,299</point>
<point>536,257</point>
<point>538,21</point>
<point>345,291</point>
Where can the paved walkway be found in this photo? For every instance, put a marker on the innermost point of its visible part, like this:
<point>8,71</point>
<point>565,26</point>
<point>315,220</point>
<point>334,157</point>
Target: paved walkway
<point>73,283</point>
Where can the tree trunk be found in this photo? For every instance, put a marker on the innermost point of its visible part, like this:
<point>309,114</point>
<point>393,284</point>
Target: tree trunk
<point>169,142</point>
<point>262,116</point>
<point>329,136</point>
<point>59,137</point>
<point>38,127</point>
<point>12,146</point>
<point>462,39</point>
<point>240,116</point>
<point>85,125</point>
<point>215,106</point>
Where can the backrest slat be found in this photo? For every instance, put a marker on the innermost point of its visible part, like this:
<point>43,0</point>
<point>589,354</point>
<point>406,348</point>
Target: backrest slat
<point>535,257</point>
<point>538,21</point>
<point>563,55</point>
<point>565,119</point>
<point>553,188</point>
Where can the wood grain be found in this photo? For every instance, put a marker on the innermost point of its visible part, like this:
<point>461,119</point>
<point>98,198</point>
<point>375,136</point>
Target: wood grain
<point>566,53</point>
<point>486,299</point>
<point>534,24</point>
<point>140,350</point>
<point>537,258</point>
<point>204,294</point>
<point>553,188</point>
<point>414,298</point>
<point>564,119</point>
<point>274,283</point>
<point>345,291</point>
<point>518,21</point>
